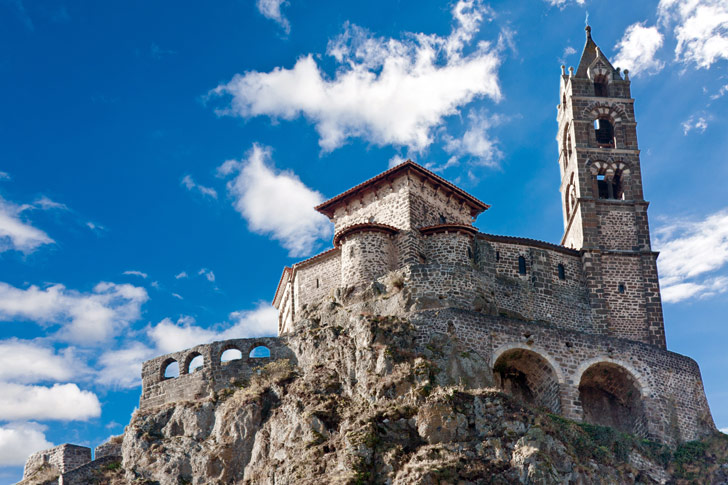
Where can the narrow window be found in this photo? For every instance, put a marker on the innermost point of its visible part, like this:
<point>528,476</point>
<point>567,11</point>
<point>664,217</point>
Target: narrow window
<point>470,253</point>
<point>562,273</point>
<point>317,283</point>
<point>603,185</point>
<point>621,288</point>
<point>442,219</point>
<point>521,265</point>
<point>604,132</point>
<point>497,255</point>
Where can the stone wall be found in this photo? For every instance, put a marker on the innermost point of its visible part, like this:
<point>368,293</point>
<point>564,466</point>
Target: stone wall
<point>674,404</point>
<point>89,473</point>
<point>63,458</point>
<point>213,376</point>
<point>388,204</point>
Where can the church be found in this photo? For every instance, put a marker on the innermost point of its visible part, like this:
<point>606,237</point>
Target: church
<point>574,327</point>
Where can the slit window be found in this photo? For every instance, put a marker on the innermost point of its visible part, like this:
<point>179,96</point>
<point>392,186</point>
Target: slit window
<point>521,265</point>
<point>562,273</point>
<point>497,255</point>
<point>318,284</point>
<point>604,132</point>
<point>620,288</point>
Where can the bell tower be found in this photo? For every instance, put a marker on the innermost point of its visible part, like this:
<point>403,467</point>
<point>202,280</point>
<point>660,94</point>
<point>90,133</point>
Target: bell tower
<point>604,211</point>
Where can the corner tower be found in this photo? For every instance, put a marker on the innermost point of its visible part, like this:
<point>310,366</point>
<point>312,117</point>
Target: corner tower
<point>605,214</point>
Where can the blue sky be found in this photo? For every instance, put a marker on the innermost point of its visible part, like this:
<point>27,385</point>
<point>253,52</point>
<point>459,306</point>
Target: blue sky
<point>159,162</point>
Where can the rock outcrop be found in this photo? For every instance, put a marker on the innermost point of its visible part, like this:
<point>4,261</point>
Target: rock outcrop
<point>367,403</point>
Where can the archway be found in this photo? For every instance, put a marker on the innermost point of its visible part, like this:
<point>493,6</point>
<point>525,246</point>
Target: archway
<point>611,396</point>
<point>528,376</point>
<point>170,369</point>
<point>260,352</point>
<point>195,361</point>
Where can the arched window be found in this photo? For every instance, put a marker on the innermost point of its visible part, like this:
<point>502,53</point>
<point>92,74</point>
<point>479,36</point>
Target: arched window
<point>231,354</point>
<point>171,369</point>
<point>609,186</point>
<point>195,362</point>
<point>601,88</point>
<point>604,132</point>
<point>521,265</point>
<point>260,352</point>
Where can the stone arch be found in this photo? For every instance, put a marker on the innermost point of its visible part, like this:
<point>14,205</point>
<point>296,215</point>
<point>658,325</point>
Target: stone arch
<point>615,113</point>
<point>615,177</point>
<point>188,362</point>
<point>613,394</point>
<point>529,374</point>
<point>168,363</point>
<point>229,348</point>
<point>258,347</point>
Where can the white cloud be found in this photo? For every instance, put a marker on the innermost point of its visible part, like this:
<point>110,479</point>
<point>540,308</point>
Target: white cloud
<point>396,160</point>
<point>563,3</point>
<point>385,91</point>
<point>208,274</point>
<point>122,368</point>
<point>26,362</point>
<point>136,273</point>
<point>178,296</point>
<point>181,275</point>
<point>64,402</point>
<point>84,317</point>
<point>16,234</point>
<point>475,142</point>
<point>271,9</point>
<point>721,92</point>
<point>695,122</point>
<point>701,29</point>
<point>568,51</point>
<point>45,203</point>
<point>689,252</point>
<point>276,203</point>
<point>636,51</point>
<point>191,185</point>
<point>723,430</point>
<point>170,336</point>
<point>4,176</point>
<point>19,440</point>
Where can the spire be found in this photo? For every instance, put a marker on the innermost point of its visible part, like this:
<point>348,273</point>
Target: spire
<point>590,52</point>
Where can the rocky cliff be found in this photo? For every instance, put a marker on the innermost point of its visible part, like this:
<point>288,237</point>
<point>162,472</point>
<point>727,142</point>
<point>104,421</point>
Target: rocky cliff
<point>365,403</point>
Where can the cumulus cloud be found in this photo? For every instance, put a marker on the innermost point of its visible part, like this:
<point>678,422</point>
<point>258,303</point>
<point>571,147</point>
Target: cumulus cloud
<point>385,91</point>
<point>701,29</point>
<point>475,143</point>
<point>84,317</point>
<point>637,48</point>
<point>690,254</point>
<point>192,186</point>
<point>695,122</point>
<point>63,402</point>
<point>122,368</point>
<point>17,234</point>
<point>27,362</point>
<point>169,336</point>
<point>19,440</point>
<point>181,275</point>
<point>271,9</point>
<point>276,203</point>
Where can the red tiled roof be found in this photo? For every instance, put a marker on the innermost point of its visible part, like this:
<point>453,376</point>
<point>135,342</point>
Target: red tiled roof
<point>327,208</point>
